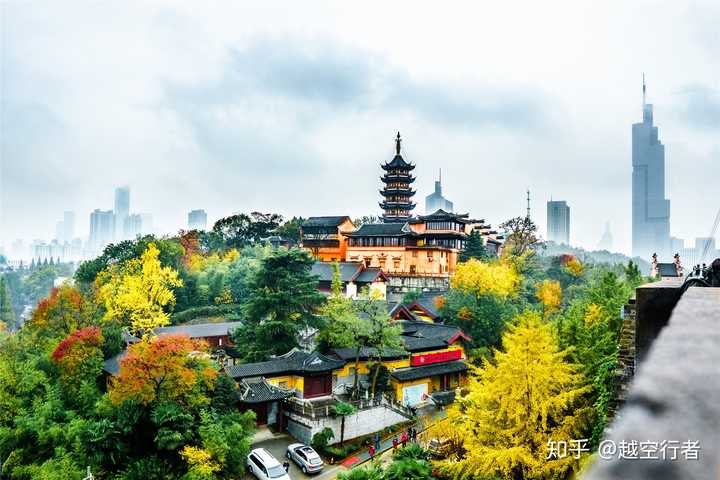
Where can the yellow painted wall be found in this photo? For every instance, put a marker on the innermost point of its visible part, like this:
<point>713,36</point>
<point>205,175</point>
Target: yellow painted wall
<point>293,382</point>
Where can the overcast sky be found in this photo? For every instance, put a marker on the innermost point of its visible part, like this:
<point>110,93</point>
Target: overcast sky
<point>291,106</point>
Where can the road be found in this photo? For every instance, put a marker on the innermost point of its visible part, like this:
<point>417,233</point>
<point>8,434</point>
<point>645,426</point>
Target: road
<point>277,446</point>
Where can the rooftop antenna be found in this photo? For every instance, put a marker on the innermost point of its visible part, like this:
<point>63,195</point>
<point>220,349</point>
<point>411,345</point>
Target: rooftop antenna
<point>643,89</point>
<point>528,203</point>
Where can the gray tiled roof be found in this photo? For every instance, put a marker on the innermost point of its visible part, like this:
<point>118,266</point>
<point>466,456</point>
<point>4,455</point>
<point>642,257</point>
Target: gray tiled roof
<point>421,335</point>
<point>200,330</point>
<point>369,275</point>
<point>348,271</point>
<point>427,301</point>
<point>667,270</point>
<point>381,229</point>
<point>325,221</point>
<point>414,373</point>
<point>261,391</point>
<point>348,354</point>
<point>295,361</point>
<point>112,364</point>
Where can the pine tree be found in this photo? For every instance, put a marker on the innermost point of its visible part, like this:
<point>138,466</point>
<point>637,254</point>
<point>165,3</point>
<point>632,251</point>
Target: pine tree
<point>474,248</point>
<point>528,395</point>
<point>7,315</point>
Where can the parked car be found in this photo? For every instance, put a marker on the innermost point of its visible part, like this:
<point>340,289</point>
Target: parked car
<point>305,457</point>
<point>264,466</point>
<point>439,447</point>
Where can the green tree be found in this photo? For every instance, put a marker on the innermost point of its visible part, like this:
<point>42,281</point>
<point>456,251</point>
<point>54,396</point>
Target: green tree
<point>282,302</point>
<point>7,315</point>
<point>240,230</point>
<point>474,248</point>
<point>290,230</point>
<point>342,410</point>
<point>225,396</point>
<point>521,238</point>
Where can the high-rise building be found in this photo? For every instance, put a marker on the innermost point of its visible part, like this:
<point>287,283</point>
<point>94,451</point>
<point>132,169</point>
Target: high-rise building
<point>133,226</point>
<point>197,220</point>
<point>65,228</point>
<point>558,222</point>
<point>435,201</point>
<point>122,209</point>
<point>102,230</point>
<point>650,208</point>
<point>397,204</point>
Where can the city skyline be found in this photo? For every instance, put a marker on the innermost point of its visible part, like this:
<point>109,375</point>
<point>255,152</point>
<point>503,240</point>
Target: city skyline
<point>192,128</point>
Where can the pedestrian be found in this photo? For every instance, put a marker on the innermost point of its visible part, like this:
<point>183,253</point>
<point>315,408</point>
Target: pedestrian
<point>371,451</point>
<point>404,439</point>
<point>286,466</point>
<point>376,440</point>
<point>395,443</point>
<point>413,434</point>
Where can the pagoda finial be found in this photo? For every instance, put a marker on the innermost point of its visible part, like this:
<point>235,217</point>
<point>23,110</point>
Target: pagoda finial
<point>397,143</point>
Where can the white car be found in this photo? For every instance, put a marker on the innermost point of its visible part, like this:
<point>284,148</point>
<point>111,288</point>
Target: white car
<point>265,467</point>
<point>306,458</point>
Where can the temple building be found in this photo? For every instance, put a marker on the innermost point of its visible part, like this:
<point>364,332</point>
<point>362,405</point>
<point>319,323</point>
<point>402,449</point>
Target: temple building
<point>397,192</point>
<point>325,237</point>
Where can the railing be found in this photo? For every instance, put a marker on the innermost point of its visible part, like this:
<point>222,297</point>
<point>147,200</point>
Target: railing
<point>322,408</point>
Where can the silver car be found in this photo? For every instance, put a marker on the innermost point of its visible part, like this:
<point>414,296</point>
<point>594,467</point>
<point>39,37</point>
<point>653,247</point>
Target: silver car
<point>305,457</point>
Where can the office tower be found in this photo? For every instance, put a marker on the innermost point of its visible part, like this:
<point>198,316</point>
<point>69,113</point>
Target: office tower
<point>133,226</point>
<point>122,209</point>
<point>558,222</point>
<point>435,201</point>
<point>102,230</point>
<point>197,220</point>
<point>68,226</point>
<point>650,208</point>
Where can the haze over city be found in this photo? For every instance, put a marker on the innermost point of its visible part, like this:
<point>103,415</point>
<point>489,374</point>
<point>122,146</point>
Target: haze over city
<point>212,109</point>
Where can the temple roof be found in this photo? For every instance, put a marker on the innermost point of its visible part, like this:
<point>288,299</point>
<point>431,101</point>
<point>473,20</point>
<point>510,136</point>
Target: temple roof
<point>414,373</point>
<point>382,230</point>
<point>295,361</point>
<point>260,391</point>
<point>398,162</point>
<point>442,215</point>
<point>201,330</point>
<point>325,221</point>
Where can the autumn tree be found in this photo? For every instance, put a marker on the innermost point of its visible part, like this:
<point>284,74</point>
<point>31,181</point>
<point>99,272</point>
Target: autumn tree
<point>79,356</point>
<point>282,302</point>
<point>549,294</point>
<point>166,368</point>
<point>138,291</point>
<point>65,310</point>
<point>497,278</point>
<point>527,395</point>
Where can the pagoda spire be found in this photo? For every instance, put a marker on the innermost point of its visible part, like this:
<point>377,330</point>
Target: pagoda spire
<point>398,141</point>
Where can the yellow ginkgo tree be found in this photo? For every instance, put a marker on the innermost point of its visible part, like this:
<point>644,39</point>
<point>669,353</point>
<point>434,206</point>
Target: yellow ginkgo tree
<point>549,293</point>
<point>525,397</point>
<point>138,291</point>
<point>497,278</point>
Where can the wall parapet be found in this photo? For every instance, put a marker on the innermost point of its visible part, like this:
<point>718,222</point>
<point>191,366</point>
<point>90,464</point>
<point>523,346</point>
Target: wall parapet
<point>674,398</point>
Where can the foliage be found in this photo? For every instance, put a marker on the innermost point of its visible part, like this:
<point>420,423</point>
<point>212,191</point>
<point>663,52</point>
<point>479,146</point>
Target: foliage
<point>200,464</point>
<point>282,301</point>
<point>526,396</point>
<point>170,253</point>
<point>290,230</point>
<point>549,293</point>
<point>342,410</point>
<point>7,313</point>
<point>371,472</point>
<point>496,278</point>
<point>136,292</point>
<point>79,356</point>
<point>240,230</point>
<point>632,274</point>
<point>224,398</point>
<point>474,248</point>
<point>521,238</point>
<point>321,439</point>
<point>161,369</point>
<point>412,451</point>
<point>408,468</point>
<point>65,310</point>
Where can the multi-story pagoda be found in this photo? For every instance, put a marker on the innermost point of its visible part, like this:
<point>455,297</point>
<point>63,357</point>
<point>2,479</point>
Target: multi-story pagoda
<point>397,204</point>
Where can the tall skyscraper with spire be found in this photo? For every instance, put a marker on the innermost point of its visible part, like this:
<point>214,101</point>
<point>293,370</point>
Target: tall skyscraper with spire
<point>650,208</point>
<point>435,201</point>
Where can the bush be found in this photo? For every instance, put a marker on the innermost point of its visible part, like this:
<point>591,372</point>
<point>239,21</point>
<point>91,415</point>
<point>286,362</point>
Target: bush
<point>321,439</point>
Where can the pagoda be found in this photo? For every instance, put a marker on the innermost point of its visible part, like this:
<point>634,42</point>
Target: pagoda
<point>397,195</point>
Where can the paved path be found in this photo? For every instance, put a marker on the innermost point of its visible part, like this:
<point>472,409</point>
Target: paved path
<point>386,445</point>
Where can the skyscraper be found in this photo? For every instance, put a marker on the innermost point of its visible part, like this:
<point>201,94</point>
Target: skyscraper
<point>606,241</point>
<point>122,209</point>
<point>650,208</point>
<point>133,226</point>
<point>435,201</point>
<point>558,222</point>
<point>197,220</point>
<point>102,230</point>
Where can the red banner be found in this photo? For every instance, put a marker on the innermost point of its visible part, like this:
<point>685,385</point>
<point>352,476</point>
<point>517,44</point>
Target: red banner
<point>437,357</point>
